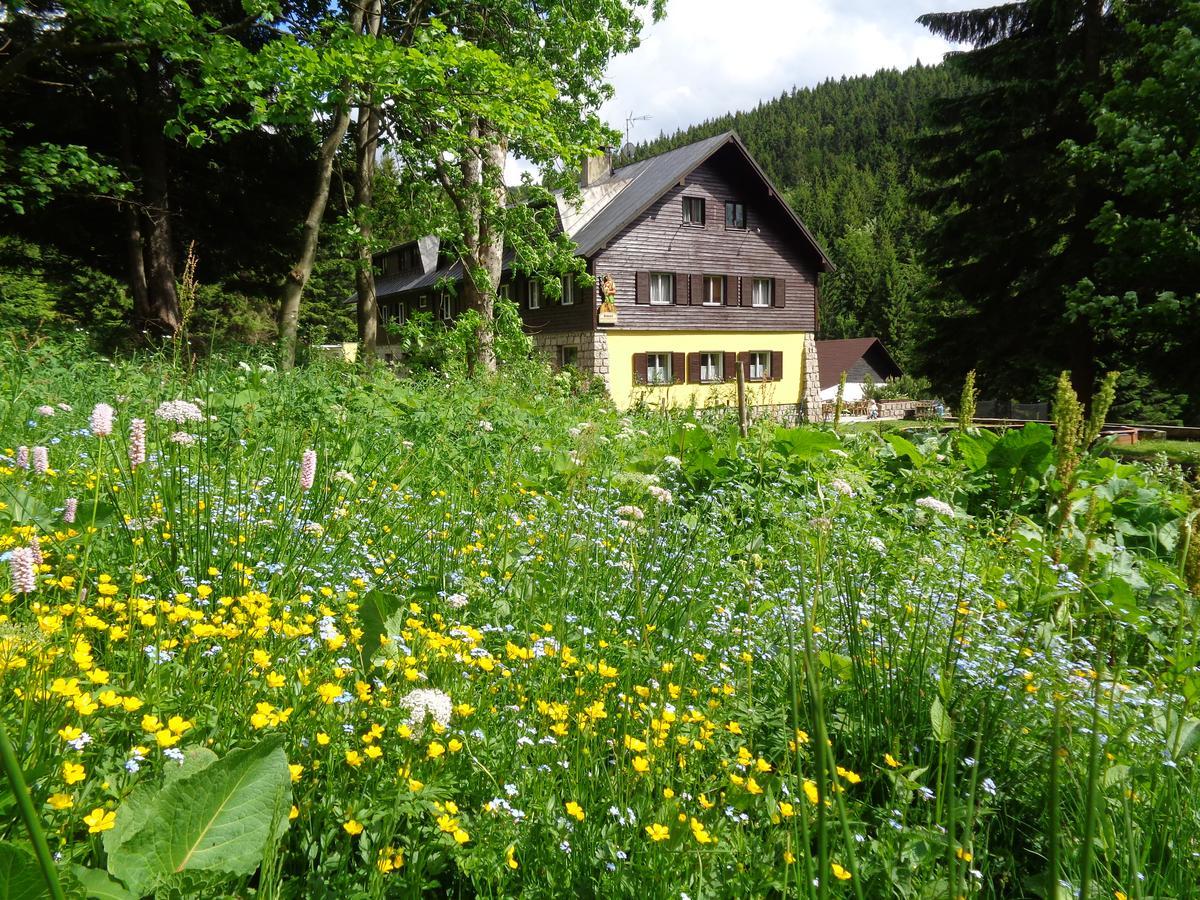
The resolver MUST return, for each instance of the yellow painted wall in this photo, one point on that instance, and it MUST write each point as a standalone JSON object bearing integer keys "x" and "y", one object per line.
{"x": 623, "y": 344}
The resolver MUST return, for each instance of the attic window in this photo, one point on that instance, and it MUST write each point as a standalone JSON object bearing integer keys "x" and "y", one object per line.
{"x": 693, "y": 210}
{"x": 735, "y": 214}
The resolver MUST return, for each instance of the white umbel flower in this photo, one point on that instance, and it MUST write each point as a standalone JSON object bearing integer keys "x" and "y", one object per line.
{"x": 427, "y": 703}
{"x": 937, "y": 506}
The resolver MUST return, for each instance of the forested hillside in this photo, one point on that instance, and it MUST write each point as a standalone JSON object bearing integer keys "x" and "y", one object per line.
{"x": 842, "y": 154}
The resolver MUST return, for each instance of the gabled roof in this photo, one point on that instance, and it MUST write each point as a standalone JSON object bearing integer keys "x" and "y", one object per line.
{"x": 836, "y": 357}
{"x": 644, "y": 183}
{"x": 610, "y": 204}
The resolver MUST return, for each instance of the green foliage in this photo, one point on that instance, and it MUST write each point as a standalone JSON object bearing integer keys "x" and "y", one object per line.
{"x": 1142, "y": 295}
{"x": 540, "y": 558}
{"x": 220, "y": 817}
{"x": 1067, "y": 412}
{"x": 1056, "y": 238}
{"x": 41, "y": 288}
{"x": 966, "y": 403}
{"x": 20, "y": 877}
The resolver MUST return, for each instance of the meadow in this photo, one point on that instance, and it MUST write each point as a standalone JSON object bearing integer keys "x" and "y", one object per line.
{"x": 331, "y": 634}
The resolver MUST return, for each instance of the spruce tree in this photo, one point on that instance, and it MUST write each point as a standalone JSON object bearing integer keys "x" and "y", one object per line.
{"x": 1012, "y": 212}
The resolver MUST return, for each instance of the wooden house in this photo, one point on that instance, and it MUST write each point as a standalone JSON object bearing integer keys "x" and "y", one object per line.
{"x": 699, "y": 267}
{"x": 861, "y": 359}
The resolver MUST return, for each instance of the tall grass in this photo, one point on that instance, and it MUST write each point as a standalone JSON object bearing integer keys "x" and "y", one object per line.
{"x": 680, "y": 662}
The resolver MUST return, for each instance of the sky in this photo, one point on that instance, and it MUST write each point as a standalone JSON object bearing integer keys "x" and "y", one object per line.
{"x": 709, "y": 57}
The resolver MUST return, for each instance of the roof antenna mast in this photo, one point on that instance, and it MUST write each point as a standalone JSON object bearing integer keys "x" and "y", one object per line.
{"x": 629, "y": 120}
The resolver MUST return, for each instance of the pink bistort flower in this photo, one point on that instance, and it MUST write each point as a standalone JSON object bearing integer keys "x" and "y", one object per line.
{"x": 102, "y": 420}
{"x": 308, "y": 469}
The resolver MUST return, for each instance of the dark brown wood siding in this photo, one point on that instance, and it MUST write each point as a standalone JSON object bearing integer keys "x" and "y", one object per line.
{"x": 768, "y": 247}
{"x": 553, "y": 316}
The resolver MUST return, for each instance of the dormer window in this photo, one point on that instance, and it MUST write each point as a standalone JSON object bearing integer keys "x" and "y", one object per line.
{"x": 693, "y": 210}
{"x": 390, "y": 265}
{"x": 735, "y": 214}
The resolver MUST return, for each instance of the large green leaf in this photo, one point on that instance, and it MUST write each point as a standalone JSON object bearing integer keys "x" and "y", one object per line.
{"x": 374, "y": 611}
{"x": 217, "y": 819}
{"x": 20, "y": 877}
{"x": 905, "y": 449}
{"x": 804, "y": 444}
{"x": 99, "y": 885}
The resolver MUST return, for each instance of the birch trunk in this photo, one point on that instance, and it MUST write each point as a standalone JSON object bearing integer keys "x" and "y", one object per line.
{"x": 484, "y": 178}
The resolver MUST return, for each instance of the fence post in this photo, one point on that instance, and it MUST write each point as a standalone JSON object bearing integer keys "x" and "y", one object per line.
{"x": 743, "y": 422}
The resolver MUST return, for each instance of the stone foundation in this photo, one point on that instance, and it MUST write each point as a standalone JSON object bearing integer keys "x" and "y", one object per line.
{"x": 592, "y": 347}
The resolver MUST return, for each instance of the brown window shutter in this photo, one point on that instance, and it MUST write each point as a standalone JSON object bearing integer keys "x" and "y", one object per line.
{"x": 697, "y": 290}
{"x": 729, "y": 290}
{"x": 639, "y": 368}
{"x": 642, "y": 293}
{"x": 681, "y": 289}
{"x": 693, "y": 367}
{"x": 729, "y": 366}
{"x": 776, "y": 365}
{"x": 678, "y": 362}
{"x": 745, "y": 286}
{"x": 780, "y": 292}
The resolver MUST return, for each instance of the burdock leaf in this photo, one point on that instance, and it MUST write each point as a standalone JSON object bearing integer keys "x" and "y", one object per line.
{"x": 218, "y": 819}
{"x": 373, "y": 612}
{"x": 20, "y": 877}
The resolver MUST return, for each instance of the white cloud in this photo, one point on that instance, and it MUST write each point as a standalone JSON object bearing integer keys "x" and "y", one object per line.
{"x": 709, "y": 57}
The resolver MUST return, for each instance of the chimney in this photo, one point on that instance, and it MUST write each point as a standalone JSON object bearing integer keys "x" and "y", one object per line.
{"x": 595, "y": 168}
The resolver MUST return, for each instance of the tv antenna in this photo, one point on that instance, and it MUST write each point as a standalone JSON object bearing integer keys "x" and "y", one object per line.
{"x": 629, "y": 120}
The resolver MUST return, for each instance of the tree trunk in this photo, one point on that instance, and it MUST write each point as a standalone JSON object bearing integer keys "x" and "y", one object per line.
{"x": 485, "y": 178}
{"x": 368, "y": 137}
{"x": 297, "y": 277}
{"x": 130, "y": 216}
{"x": 161, "y": 311}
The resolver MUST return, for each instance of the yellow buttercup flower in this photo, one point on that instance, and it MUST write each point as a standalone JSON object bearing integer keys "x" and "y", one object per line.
{"x": 658, "y": 832}
{"x": 73, "y": 773}
{"x": 838, "y": 872}
{"x": 99, "y": 820}
{"x": 60, "y": 801}
{"x": 575, "y": 811}
{"x": 353, "y": 827}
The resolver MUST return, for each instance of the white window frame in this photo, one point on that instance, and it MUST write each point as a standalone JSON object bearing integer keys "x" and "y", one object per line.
{"x": 689, "y": 207}
{"x": 657, "y": 282}
{"x": 715, "y": 368}
{"x": 709, "y": 282}
{"x": 569, "y": 289}
{"x": 506, "y": 291}
{"x": 445, "y": 310}
{"x": 423, "y": 301}
{"x": 761, "y": 371}
{"x": 767, "y": 294}
{"x": 563, "y": 350}
{"x": 665, "y": 368}
{"x": 535, "y": 294}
